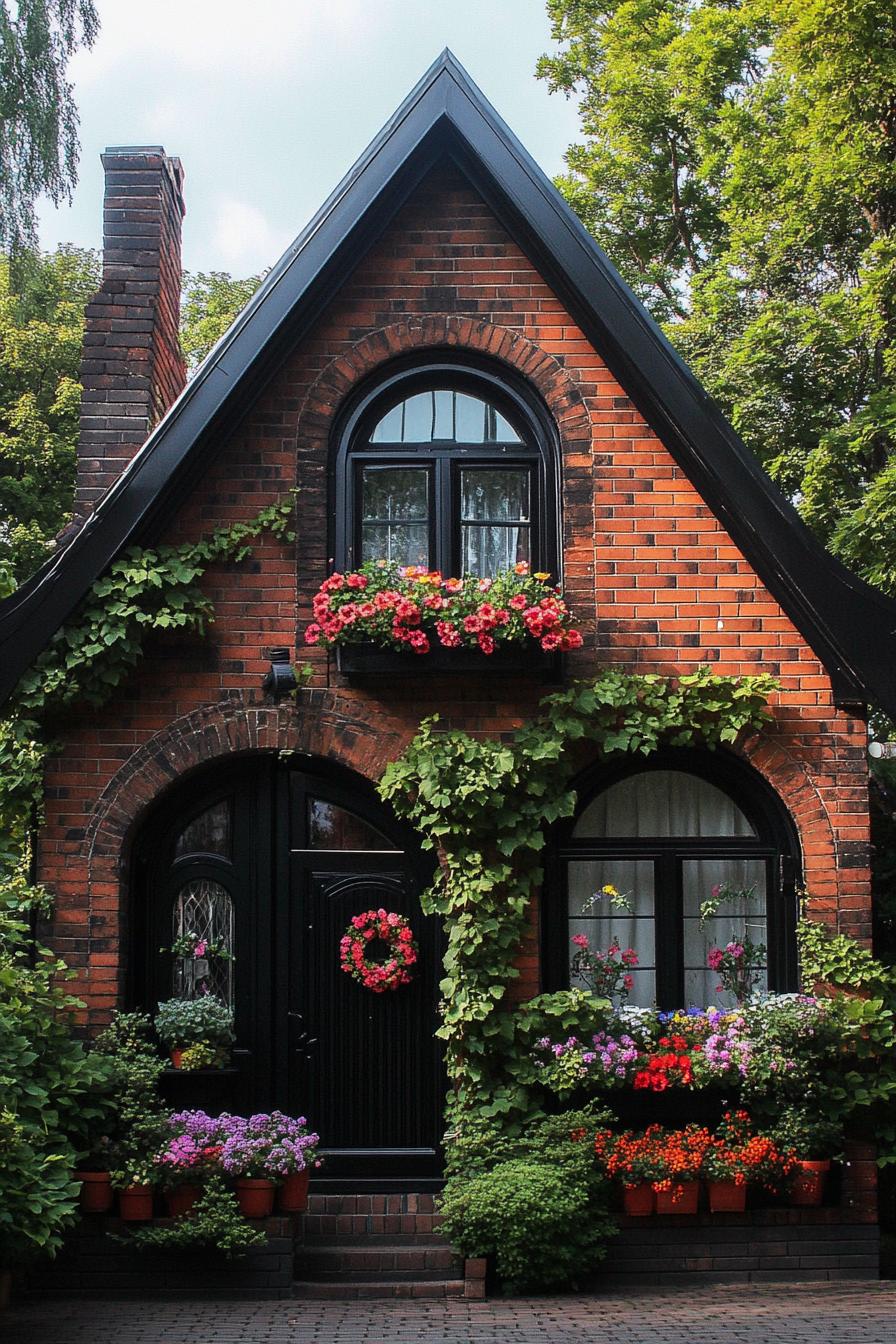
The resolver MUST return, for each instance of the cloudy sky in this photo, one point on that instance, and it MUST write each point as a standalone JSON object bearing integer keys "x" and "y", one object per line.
{"x": 268, "y": 102}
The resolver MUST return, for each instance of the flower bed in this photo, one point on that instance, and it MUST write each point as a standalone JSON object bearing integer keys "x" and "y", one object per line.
{"x": 414, "y": 610}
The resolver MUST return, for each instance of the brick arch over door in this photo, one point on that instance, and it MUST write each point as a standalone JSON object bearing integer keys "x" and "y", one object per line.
{"x": 320, "y": 724}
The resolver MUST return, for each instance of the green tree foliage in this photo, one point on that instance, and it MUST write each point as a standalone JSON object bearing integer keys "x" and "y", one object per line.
{"x": 38, "y": 120}
{"x": 41, "y": 330}
{"x": 210, "y": 301}
{"x": 738, "y": 164}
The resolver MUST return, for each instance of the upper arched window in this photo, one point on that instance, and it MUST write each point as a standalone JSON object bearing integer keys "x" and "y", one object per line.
{"x": 446, "y": 467}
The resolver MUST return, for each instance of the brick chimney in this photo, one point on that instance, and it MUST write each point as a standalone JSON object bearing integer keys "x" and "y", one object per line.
{"x": 131, "y": 369}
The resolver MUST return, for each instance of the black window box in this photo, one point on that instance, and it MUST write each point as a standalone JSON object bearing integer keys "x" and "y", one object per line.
{"x": 370, "y": 662}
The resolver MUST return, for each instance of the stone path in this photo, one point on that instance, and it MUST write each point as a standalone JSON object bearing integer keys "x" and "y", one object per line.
{"x": 801, "y": 1313}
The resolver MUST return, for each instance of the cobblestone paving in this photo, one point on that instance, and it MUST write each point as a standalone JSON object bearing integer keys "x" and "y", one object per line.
{"x": 816, "y": 1313}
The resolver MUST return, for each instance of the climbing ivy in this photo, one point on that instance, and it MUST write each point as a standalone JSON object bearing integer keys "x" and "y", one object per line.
{"x": 145, "y": 589}
{"x": 483, "y": 806}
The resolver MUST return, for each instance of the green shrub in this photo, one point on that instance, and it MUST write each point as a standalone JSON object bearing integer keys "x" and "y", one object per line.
{"x": 540, "y": 1227}
{"x": 135, "y": 1122}
{"x": 52, "y": 1092}
{"x": 214, "y": 1223}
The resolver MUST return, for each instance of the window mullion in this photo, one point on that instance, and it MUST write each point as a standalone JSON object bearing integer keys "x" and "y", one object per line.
{"x": 669, "y": 931}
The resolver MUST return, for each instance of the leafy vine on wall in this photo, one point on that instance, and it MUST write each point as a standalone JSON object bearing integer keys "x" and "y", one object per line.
{"x": 90, "y": 655}
{"x": 483, "y": 807}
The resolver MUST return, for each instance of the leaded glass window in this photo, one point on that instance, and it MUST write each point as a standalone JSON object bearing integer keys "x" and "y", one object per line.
{"x": 202, "y": 938}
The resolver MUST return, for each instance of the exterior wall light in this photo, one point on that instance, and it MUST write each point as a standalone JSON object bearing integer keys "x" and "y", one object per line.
{"x": 280, "y": 680}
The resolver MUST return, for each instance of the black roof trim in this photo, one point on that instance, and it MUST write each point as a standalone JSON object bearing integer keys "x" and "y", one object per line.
{"x": 850, "y": 626}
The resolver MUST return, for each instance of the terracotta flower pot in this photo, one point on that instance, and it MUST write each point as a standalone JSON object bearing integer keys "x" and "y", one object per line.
{"x": 638, "y": 1200}
{"x": 181, "y": 1199}
{"x": 682, "y": 1197}
{"x": 255, "y": 1197}
{"x": 96, "y": 1191}
{"x": 727, "y": 1197}
{"x": 135, "y": 1204}
{"x": 292, "y": 1197}
{"x": 808, "y": 1183}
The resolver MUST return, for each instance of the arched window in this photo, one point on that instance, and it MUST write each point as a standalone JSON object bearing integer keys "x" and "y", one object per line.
{"x": 448, "y": 467}
{"x": 670, "y": 836}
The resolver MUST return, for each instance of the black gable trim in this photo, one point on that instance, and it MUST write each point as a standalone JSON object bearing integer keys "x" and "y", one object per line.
{"x": 850, "y": 626}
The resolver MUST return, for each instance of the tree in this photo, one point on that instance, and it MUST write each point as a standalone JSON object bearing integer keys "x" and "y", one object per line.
{"x": 38, "y": 120}
{"x": 210, "y": 301}
{"x": 739, "y": 167}
{"x": 41, "y": 330}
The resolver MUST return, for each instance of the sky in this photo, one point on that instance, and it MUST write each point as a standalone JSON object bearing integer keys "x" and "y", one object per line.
{"x": 269, "y": 102}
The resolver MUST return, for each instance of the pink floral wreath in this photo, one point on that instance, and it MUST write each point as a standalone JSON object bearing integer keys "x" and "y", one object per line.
{"x": 394, "y": 930}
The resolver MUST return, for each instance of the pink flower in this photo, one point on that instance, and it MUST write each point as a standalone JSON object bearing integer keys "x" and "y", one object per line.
{"x": 486, "y": 643}
{"x": 550, "y": 641}
{"x": 312, "y": 634}
{"x": 518, "y": 602}
{"x": 448, "y": 634}
{"x": 356, "y": 581}
{"x": 572, "y": 640}
{"x": 580, "y": 940}
{"x": 201, "y": 948}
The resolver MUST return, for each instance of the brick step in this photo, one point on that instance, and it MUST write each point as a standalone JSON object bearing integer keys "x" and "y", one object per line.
{"x": 342, "y": 1291}
{"x": 388, "y": 1261}
{"x": 389, "y": 1226}
{"x": 378, "y": 1204}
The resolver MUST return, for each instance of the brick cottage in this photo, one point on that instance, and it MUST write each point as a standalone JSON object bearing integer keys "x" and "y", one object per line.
{"x": 449, "y": 372}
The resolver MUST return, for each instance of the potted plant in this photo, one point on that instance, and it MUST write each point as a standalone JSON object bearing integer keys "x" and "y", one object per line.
{"x": 292, "y": 1157}
{"x": 738, "y": 1158}
{"x": 195, "y": 960}
{"x": 633, "y": 1160}
{"x": 260, "y": 1153}
{"x": 135, "y": 1182}
{"x": 96, "y": 1195}
{"x": 812, "y": 1141}
{"x": 681, "y": 1154}
{"x": 197, "y": 1032}
{"x": 189, "y": 1158}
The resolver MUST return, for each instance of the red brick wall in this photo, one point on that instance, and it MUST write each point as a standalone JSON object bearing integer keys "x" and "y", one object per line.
{"x": 653, "y": 578}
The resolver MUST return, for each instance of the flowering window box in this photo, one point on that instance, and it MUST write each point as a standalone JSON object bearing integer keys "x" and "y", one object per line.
{"x": 386, "y": 619}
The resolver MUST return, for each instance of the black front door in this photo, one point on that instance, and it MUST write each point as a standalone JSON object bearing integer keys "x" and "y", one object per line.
{"x": 365, "y": 1065}
{"x": 283, "y": 858}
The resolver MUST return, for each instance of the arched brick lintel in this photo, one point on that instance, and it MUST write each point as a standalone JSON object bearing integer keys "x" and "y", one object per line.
{"x": 791, "y": 780}
{"x": 318, "y": 724}
{"x": 443, "y": 331}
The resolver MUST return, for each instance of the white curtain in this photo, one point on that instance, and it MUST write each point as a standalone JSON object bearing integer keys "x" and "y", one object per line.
{"x": 662, "y": 804}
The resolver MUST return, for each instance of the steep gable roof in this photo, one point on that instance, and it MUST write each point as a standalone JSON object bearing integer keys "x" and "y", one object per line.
{"x": 850, "y": 626}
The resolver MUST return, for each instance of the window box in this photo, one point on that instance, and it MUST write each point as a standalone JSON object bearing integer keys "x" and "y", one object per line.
{"x": 370, "y": 662}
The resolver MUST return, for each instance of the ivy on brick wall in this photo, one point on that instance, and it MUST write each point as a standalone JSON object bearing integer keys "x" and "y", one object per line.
{"x": 145, "y": 590}
{"x": 483, "y": 807}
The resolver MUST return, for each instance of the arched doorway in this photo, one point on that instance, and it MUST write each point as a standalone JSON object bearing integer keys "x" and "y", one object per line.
{"x": 269, "y": 859}
{"x": 666, "y": 833}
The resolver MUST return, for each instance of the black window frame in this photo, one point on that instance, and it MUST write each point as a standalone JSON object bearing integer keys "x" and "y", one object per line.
{"x": 537, "y": 451}
{"x": 775, "y": 842}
